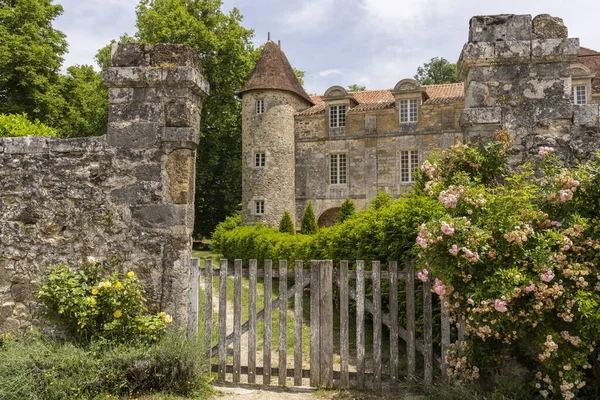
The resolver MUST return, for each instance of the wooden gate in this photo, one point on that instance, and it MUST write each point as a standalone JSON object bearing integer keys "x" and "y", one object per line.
{"x": 322, "y": 284}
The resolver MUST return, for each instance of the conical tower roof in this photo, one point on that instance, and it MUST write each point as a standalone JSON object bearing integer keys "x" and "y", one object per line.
{"x": 273, "y": 71}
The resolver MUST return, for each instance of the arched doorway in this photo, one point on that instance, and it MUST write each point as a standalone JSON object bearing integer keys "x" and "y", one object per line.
{"x": 328, "y": 217}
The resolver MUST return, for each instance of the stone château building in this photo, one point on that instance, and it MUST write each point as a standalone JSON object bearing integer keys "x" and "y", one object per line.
{"x": 518, "y": 73}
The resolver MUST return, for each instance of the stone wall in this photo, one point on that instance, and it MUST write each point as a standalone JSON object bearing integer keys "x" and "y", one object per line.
{"x": 517, "y": 77}
{"x": 124, "y": 198}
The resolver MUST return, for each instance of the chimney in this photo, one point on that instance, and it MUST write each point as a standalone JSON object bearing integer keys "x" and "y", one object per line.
{"x": 268, "y": 36}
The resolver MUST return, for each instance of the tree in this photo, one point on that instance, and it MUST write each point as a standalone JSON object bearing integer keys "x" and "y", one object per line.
{"x": 31, "y": 53}
{"x": 15, "y": 125}
{"x": 85, "y": 105}
{"x": 309, "y": 221}
{"x": 300, "y": 75}
{"x": 356, "y": 88}
{"x": 286, "y": 225}
{"x": 437, "y": 70}
{"x": 228, "y": 58}
{"x": 347, "y": 210}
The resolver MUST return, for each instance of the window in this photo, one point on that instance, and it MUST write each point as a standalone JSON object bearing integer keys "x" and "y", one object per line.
{"x": 259, "y": 159}
{"x": 409, "y": 161}
{"x": 337, "y": 116}
{"x": 338, "y": 169}
{"x": 578, "y": 95}
{"x": 260, "y": 106}
{"x": 408, "y": 111}
{"x": 259, "y": 207}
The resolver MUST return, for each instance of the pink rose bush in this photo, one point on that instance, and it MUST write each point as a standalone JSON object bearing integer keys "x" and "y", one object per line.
{"x": 517, "y": 258}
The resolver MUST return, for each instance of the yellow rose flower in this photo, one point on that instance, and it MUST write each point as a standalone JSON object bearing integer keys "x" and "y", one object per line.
{"x": 117, "y": 285}
{"x": 131, "y": 274}
{"x": 168, "y": 319}
{"x": 117, "y": 314}
{"x": 95, "y": 291}
{"x": 92, "y": 300}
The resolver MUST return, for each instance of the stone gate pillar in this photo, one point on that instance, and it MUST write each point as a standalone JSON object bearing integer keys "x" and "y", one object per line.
{"x": 155, "y": 96}
{"x": 517, "y": 77}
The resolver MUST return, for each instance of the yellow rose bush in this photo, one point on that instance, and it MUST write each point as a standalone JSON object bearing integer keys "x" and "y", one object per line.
{"x": 91, "y": 303}
{"x": 516, "y": 256}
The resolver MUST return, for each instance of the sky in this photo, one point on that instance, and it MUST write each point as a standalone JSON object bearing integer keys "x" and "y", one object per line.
{"x": 374, "y": 43}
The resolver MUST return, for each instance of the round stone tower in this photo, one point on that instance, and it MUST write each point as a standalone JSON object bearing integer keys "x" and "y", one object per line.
{"x": 270, "y": 99}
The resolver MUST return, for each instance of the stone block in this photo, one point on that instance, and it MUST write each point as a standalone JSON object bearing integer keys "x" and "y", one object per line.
{"x": 145, "y": 112}
{"x": 181, "y": 113}
{"x": 477, "y": 95}
{"x": 148, "y": 172}
{"x": 158, "y": 216}
{"x": 479, "y": 116}
{"x": 166, "y": 54}
{"x": 137, "y": 193}
{"x": 555, "y": 49}
{"x": 513, "y": 49}
{"x": 494, "y": 28}
{"x": 181, "y": 167}
{"x": 546, "y": 26}
{"x": 129, "y": 55}
{"x": 133, "y": 134}
{"x": 26, "y": 145}
{"x": 586, "y": 115}
{"x": 78, "y": 145}
{"x": 181, "y": 135}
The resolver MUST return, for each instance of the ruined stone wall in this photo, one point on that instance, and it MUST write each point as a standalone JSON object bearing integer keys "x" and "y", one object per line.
{"x": 124, "y": 198}
{"x": 517, "y": 77}
{"x": 272, "y": 133}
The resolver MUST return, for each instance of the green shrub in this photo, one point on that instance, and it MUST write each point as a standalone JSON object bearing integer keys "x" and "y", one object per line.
{"x": 16, "y": 125}
{"x": 516, "y": 254}
{"x": 286, "y": 225}
{"x": 347, "y": 210}
{"x": 309, "y": 221}
{"x": 231, "y": 222}
{"x": 90, "y": 304}
{"x": 39, "y": 368}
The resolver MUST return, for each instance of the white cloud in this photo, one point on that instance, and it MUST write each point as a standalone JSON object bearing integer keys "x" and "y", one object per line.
{"x": 331, "y": 71}
{"x": 311, "y": 18}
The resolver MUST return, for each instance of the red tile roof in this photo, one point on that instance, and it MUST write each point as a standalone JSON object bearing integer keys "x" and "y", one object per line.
{"x": 591, "y": 59}
{"x": 381, "y": 99}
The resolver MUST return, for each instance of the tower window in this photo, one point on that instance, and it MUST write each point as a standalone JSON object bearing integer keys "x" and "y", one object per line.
{"x": 260, "y": 159}
{"x": 260, "y": 106}
{"x": 578, "y": 95}
{"x": 338, "y": 169}
{"x": 259, "y": 207}
{"x": 408, "y": 111}
{"x": 337, "y": 116}
{"x": 409, "y": 161}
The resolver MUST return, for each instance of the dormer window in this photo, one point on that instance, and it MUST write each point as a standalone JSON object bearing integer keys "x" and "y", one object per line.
{"x": 578, "y": 95}
{"x": 260, "y": 106}
{"x": 337, "y": 116}
{"x": 408, "y": 110}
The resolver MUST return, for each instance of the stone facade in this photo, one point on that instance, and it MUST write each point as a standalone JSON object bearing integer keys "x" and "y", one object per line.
{"x": 516, "y": 73}
{"x": 125, "y": 198}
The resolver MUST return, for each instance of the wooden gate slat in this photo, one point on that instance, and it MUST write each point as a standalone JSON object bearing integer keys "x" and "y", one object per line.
{"x": 445, "y": 336}
{"x": 252, "y": 322}
{"x": 360, "y": 323}
{"x": 410, "y": 320}
{"x": 268, "y": 282}
{"x": 326, "y": 322}
{"x": 282, "y": 322}
{"x": 427, "y": 333}
{"x": 298, "y": 292}
{"x": 222, "y": 319}
{"x": 237, "y": 320}
{"x": 377, "y": 342}
{"x": 344, "y": 325}
{"x": 315, "y": 372}
{"x": 208, "y": 307}
{"x": 393, "y": 267}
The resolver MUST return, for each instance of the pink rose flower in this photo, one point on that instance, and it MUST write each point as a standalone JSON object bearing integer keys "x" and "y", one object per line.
{"x": 556, "y": 223}
{"x": 421, "y": 242}
{"x": 500, "y": 306}
{"x": 544, "y": 151}
{"x": 447, "y": 229}
{"x": 470, "y": 301}
{"x": 547, "y": 276}
{"x": 530, "y": 288}
{"x": 423, "y": 275}
{"x": 565, "y": 195}
{"x": 453, "y": 250}
{"x": 439, "y": 287}
{"x": 574, "y": 183}
{"x": 469, "y": 212}
{"x": 566, "y": 247}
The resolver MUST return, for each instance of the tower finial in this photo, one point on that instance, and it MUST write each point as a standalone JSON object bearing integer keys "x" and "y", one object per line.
{"x": 279, "y": 43}
{"x": 268, "y": 36}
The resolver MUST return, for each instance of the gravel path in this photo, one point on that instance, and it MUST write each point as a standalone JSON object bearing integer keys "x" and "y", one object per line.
{"x": 258, "y": 393}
